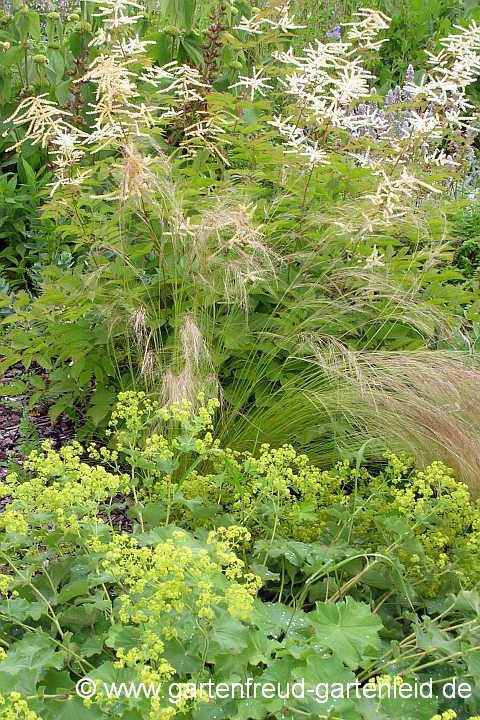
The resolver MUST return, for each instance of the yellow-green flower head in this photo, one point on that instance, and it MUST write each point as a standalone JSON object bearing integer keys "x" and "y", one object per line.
{"x": 14, "y": 707}
{"x": 161, "y": 582}
{"x": 446, "y": 715}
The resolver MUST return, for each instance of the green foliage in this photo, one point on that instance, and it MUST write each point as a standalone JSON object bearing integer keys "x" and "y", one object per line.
{"x": 28, "y": 245}
{"x": 466, "y": 230}
{"x": 174, "y": 608}
{"x": 14, "y": 207}
{"x": 320, "y": 18}
{"x": 416, "y": 26}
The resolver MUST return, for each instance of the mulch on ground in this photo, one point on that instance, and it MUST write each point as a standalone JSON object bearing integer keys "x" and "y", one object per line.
{"x": 16, "y": 441}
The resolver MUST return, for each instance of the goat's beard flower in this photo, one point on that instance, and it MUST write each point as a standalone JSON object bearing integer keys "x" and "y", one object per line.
{"x": 44, "y": 119}
{"x": 332, "y": 90}
{"x": 390, "y": 191}
{"x": 374, "y": 259}
{"x": 251, "y": 25}
{"x": 117, "y": 115}
{"x": 298, "y": 142}
{"x": 255, "y": 83}
{"x": 68, "y": 153}
{"x": 112, "y": 79}
{"x": 365, "y": 31}
{"x": 285, "y": 23}
{"x": 328, "y": 81}
{"x": 101, "y": 38}
{"x": 115, "y": 13}
{"x": 185, "y": 83}
{"x": 134, "y": 46}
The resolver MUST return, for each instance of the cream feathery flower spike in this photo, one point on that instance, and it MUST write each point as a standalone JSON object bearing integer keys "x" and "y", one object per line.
{"x": 186, "y": 81}
{"x": 101, "y": 38}
{"x": 154, "y": 75}
{"x": 115, "y": 13}
{"x": 112, "y": 79}
{"x": 256, "y": 84}
{"x": 67, "y": 154}
{"x": 366, "y": 30}
{"x": 351, "y": 84}
{"x": 285, "y": 23}
{"x": 375, "y": 259}
{"x": 136, "y": 178}
{"x": 134, "y": 46}
{"x": 251, "y": 25}
{"x": 45, "y": 119}
{"x": 390, "y": 191}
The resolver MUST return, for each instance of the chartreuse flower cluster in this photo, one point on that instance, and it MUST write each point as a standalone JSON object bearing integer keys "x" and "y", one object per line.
{"x": 172, "y": 585}
{"x": 443, "y": 520}
{"x": 278, "y": 483}
{"x": 451, "y": 715}
{"x": 159, "y": 444}
{"x": 179, "y": 575}
{"x": 14, "y": 707}
{"x": 154, "y": 455}
{"x": 281, "y": 494}
{"x": 163, "y": 587}
{"x": 386, "y": 681}
{"x": 175, "y": 465}
{"x": 61, "y": 490}
{"x": 135, "y": 412}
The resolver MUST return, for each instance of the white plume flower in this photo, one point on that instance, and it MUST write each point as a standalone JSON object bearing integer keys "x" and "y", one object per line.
{"x": 44, "y": 119}
{"x": 251, "y": 25}
{"x": 115, "y": 13}
{"x": 255, "y": 83}
{"x": 285, "y": 22}
{"x": 365, "y": 30}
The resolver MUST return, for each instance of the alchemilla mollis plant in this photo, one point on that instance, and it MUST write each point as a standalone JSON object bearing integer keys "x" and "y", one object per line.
{"x": 183, "y": 600}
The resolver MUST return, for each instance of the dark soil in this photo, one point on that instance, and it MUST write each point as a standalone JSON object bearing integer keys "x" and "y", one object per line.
{"x": 20, "y": 432}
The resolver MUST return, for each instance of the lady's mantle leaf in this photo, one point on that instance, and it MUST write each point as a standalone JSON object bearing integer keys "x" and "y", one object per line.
{"x": 27, "y": 662}
{"x": 348, "y": 629}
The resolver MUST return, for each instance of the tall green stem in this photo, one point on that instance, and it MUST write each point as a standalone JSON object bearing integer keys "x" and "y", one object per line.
{"x": 26, "y": 66}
